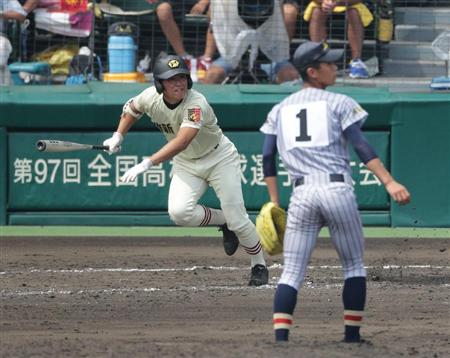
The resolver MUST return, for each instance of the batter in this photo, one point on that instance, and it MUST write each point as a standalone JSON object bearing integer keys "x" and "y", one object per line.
{"x": 311, "y": 129}
{"x": 202, "y": 155}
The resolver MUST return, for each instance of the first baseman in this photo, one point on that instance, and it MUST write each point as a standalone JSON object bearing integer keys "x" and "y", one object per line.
{"x": 202, "y": 155}
{"x": 311, "y": 129}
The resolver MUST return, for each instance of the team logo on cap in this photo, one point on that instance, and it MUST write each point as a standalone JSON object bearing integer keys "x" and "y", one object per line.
{"x": 173, "y": 63}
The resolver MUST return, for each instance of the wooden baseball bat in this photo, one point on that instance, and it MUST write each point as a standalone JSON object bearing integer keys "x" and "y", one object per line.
{"x": 58, "y": 146}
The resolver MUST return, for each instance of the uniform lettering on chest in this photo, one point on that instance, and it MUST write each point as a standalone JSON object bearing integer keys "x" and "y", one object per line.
{"x": 165, "y": 128}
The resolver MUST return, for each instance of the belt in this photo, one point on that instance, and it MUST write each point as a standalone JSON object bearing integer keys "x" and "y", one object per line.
{"x": 333, "y": 178}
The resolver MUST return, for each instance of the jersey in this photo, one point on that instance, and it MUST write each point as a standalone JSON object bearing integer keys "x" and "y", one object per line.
{"x": 309, "y": 126}
{"x": 194, "y": 111}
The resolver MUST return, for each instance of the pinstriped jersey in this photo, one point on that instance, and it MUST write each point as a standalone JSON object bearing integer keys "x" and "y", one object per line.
{"x": 194, "y": 111}
{"x": 309, "y": 126}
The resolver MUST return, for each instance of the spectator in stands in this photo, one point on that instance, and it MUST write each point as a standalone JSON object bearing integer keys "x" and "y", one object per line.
{"x": 290, "y": 13}
{"x": 358, "y": 15}
{"x": 166, "y": 17}
{"x": 9, "y": 10}
{"x": 271, "y": 33}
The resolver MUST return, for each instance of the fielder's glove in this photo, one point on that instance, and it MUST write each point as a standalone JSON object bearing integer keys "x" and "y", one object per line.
{"x": 132, "y": 173}
{"x": 270, "y": 226}
{"x": 114, "y": 143}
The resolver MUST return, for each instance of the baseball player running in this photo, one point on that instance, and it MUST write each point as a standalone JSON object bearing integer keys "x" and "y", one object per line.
{"x": 202, "y": 155}
{"x": 311, "y": 129}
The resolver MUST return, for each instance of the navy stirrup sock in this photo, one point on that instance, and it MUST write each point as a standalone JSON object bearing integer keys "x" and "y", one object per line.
{"x": 354, "y": 297}
{"x": 283, "y": 308}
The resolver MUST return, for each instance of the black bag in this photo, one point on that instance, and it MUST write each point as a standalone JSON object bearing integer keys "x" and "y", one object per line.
{"x": 255, "y": 12}
{"x": 123, "y": 28}
{"x": 80, "y": 70}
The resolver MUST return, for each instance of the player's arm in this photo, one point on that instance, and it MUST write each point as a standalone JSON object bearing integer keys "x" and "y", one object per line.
{"x": 269, "y": 167}
{"x": 184, "y": 137}
{"x": 130, "y": 115}
{"x": 367, "y": 155}
{"x": 396, "y": 190}
{"x": 169, "y": 150}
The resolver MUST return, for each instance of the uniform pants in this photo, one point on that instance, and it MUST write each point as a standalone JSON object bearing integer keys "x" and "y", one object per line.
{"x": 311, "y": 207}
{"x": 219, "y": 169}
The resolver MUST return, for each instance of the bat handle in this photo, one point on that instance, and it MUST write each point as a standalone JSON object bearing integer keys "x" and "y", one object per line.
{"x": 100, "y": 147}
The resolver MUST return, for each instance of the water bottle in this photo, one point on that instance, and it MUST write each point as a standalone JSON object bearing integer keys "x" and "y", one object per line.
{"x": 193, "y": 62}
{"x": 144, "y": 64}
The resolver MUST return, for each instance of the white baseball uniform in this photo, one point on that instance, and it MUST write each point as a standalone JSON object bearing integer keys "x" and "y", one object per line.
{"x": 309, "y": 126}
{"x": 210, "y": 159}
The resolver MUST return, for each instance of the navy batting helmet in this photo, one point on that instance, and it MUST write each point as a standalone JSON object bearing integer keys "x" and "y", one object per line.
{"x": 167, "y": 66}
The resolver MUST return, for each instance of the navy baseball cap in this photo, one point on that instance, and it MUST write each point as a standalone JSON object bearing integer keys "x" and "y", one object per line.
{"x": 310, "y": 52}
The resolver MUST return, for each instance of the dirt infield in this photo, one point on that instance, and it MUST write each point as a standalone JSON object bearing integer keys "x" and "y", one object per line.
{"x": 182, "y": 297}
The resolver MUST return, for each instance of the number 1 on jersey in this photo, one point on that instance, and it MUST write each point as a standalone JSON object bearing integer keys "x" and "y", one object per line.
{"x": 304, "y": 125}
{"x": 303, "y": 137}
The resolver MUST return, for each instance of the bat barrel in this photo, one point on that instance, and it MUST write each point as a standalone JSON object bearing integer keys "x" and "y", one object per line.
{"x": 59, "y": 146}
{"x": 41, "y": 145}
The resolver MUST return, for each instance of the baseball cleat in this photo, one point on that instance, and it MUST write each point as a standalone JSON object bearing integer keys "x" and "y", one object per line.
{"x": 357, "y": 340}
{"x": 260, "y": 276}
{"x": 230, "y": 240}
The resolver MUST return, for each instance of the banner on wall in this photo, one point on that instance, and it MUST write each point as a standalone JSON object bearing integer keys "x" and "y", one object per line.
{"x": 89, "y": 180}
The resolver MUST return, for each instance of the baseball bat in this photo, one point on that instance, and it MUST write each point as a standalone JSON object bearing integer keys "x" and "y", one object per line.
{"x": 59, "y": 146}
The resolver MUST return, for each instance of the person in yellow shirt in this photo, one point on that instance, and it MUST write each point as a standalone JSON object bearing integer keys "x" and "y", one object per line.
{"x": 358, "y": 17}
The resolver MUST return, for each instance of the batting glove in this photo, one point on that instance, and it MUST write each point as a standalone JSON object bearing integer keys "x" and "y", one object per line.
{"x": 132, "y": 173}
{"x": 114, "y": 143}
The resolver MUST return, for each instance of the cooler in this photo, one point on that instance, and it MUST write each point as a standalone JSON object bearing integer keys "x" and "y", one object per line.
{"x": 121, "y": 54}
{"x": 23, "y": 73}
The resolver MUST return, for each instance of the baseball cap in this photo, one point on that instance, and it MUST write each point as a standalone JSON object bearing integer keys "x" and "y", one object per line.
{"x": 310, "y": 52}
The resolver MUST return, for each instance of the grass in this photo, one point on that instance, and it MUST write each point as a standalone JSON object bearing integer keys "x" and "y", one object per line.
{"x": 172, "y": 231}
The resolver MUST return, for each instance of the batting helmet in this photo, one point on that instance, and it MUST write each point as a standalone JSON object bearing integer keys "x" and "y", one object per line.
{"x": 271, "y": 225}
{"x": 168, "y": 66}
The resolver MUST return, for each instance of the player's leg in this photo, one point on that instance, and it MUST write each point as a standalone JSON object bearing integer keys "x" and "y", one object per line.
{"x": 341, "y": 211}
{"x": 184, "y": 193}
{"x": 225, "y": 179}
{"x": 303, "y": 226}
{"x": 226, "y": 183}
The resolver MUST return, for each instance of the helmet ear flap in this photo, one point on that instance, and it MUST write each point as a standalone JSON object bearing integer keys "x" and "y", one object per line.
{"x": 189, "y": 79}
{"x": 159, "y": 87}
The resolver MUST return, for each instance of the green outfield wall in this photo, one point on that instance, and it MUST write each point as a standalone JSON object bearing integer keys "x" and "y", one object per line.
{"x": 410, "y": 132}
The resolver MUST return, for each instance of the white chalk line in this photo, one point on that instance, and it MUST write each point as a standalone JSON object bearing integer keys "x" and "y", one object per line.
{"x": 122, "y": 291}
{"x": 216, "y": 268}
